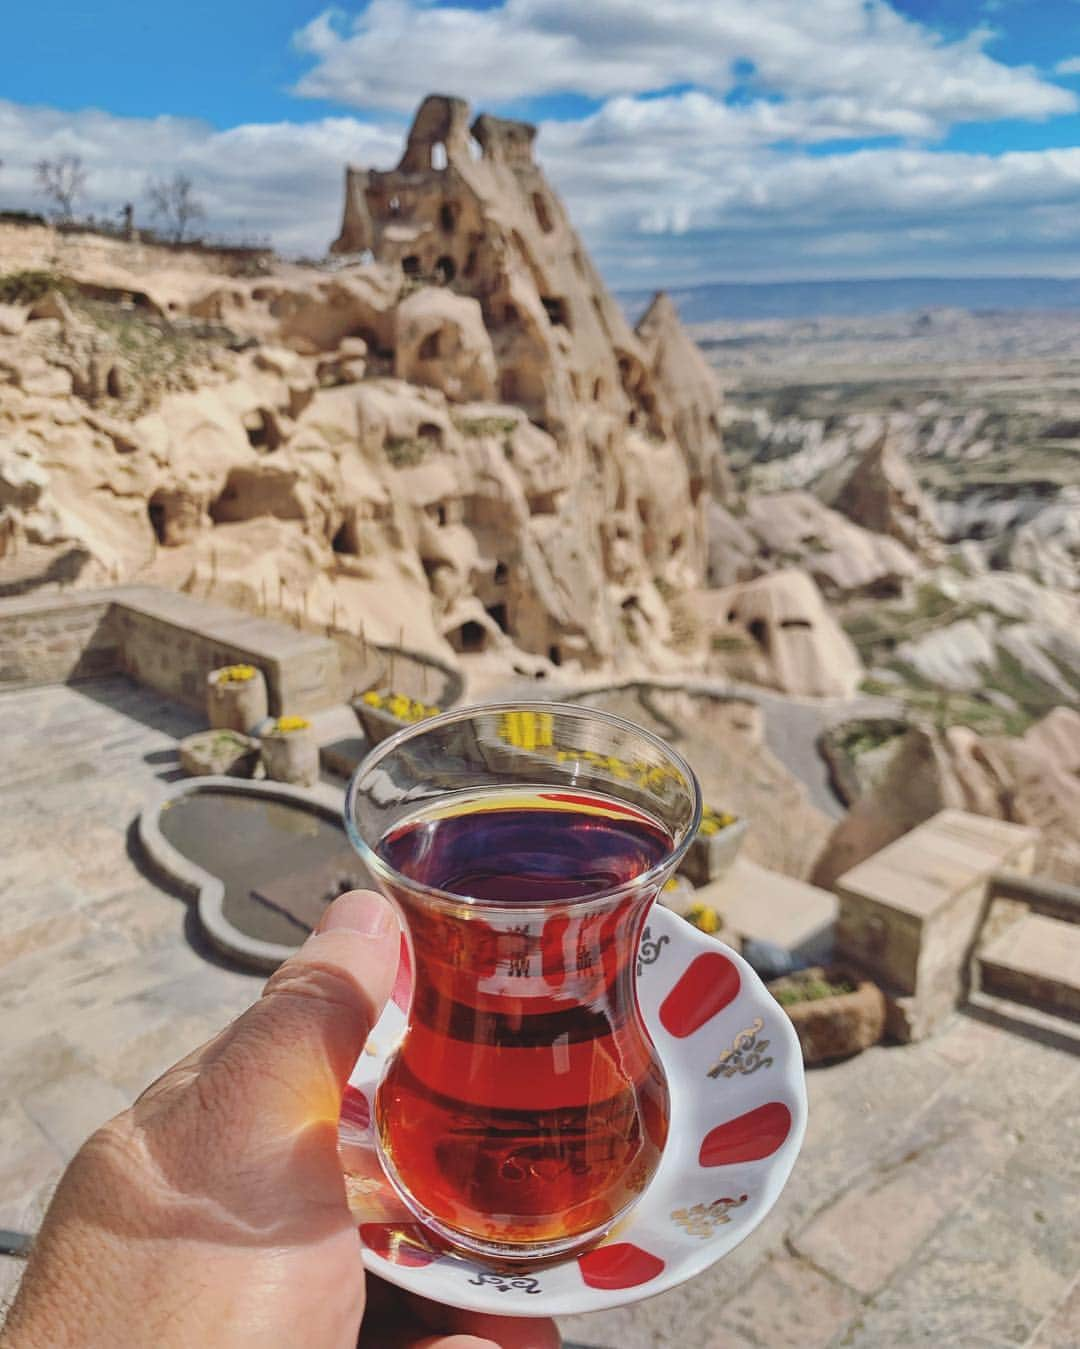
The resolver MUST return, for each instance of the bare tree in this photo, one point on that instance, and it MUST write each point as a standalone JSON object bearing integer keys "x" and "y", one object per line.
{"x": 173, "y": 200}
{"x": 62, "y": 180}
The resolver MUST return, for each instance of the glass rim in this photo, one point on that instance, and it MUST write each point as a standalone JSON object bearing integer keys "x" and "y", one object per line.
{"x": 391, "y": 876}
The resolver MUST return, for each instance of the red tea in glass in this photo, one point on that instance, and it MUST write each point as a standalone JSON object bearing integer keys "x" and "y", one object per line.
{"x": 525, "y": 1109}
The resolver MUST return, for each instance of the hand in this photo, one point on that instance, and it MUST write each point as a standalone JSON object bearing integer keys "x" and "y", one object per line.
{"x": 213, "y": 1211}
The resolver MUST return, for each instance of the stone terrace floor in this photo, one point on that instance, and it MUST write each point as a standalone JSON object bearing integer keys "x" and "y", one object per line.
{"x": 934, "y": 1202}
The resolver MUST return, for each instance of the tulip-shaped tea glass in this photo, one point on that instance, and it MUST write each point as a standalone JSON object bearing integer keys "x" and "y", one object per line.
{"x": 525, "y": 1109}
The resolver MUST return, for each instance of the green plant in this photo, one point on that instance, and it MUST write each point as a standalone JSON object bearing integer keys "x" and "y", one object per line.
{"x": 863, "y": 739}
{"x": 731, "y": 645}
{"x": 28, "y": 286}
{"x": 811, "y": 990}
{"x": 406, "y": 451}
{"x": 486, "y": 426}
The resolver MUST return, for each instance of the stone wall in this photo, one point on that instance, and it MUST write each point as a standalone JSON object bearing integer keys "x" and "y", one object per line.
{"x": 167, "y": 640}
{"x": 54, "y": 640}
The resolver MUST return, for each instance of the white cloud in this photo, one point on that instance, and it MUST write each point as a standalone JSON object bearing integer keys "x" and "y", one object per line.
{"x": 1070, "y": 66}
{"x": 672, "y": 186}
{"x": 282, "y": 180}
{"x": 862, "y": 56}
{"x": 684, "y": 188}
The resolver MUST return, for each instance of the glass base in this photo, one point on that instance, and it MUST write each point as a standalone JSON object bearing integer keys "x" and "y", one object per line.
{"x": 517, "y": 1254}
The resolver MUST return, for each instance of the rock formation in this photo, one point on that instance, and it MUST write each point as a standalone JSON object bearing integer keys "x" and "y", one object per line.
{"x": 881, "y": 494}
{"x": 1033, "y": 779}
{"x": 457, "y": 439}
{"x": 778, "y": 631}
{"x": 679, "y": 368}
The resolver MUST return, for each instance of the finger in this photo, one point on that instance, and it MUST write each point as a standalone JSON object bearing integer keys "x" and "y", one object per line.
{"x": 290, "y": 1054}
{"x": 454, "y": 1342}
{"x": 323, "y": 1001}
{"x": 509, "y": 1332}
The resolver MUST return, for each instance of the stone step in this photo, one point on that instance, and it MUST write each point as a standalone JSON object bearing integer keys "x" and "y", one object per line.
{"x": 1021, "y": 1018}
{"x": 1036, "y": 961}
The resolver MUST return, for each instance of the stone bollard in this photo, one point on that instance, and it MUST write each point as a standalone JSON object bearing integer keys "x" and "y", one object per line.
{"x": 236, "y": 698}
{"x": 290, "y": 753}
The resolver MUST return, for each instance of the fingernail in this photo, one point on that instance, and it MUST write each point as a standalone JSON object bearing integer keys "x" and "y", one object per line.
{"x": 363, "y": 911}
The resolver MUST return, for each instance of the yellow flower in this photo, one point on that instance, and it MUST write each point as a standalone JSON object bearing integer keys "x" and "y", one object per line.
{"x": 704, "y": 918}
{"x": 527, "y": 730}
{"x": 713, "y": 821}
{"x": 284, "y": 725}
{"x": 372, "y": 698}
{"x": 237, "y": 674}
{"x": 398, "y": 706}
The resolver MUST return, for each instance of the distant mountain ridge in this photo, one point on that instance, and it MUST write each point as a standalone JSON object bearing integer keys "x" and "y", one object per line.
{"x": 850, "y": 299}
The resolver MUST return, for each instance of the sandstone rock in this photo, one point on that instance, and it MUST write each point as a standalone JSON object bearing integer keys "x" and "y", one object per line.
{"x": 733, "y": 551}
{"x": 724, "y": 740}
{"x": 51, "y": 306}
{"x": 1032, "y": 780}
{"x": 358, "y": 303}
{"x": 882, "y": 495}
{"x": 844, "y": 559}
{"x": 918, "y": 783}
{"x": 691, "y": 395}
{"x": 537, "y": 485}
{"x": 23, "y": 478}
{"x": 441, "y": 341}
{"x": 1047, "y": 547}
{"x": 12, "y": 320}
{"x": 788, "y": 629}
{"x": 492, "y": 228}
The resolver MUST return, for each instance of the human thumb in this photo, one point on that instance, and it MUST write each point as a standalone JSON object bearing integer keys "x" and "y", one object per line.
{"x": 294, "y": 1049}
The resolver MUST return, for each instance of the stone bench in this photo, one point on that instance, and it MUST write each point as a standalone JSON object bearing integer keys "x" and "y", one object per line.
{"x": 165, "y": 639}
{"x": 910, "y": 914}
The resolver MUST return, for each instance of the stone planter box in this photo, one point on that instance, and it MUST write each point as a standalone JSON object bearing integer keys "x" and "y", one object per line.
{"x": 220, "y": 753}
{"x": 291, "y": 756}
{"x": 236, "y": 704}
{"x": 380, "y": 722}
{"x": 710, "y": 855}
{"x": 838, "y": 1025}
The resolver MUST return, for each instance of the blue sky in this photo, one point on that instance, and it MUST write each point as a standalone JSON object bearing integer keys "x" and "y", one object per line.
{"x": 693, "y": 139}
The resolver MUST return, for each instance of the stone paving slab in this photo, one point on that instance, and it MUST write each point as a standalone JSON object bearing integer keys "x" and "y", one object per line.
{"x": 1061, "y": 1329}
{"x": 100, "y": 988}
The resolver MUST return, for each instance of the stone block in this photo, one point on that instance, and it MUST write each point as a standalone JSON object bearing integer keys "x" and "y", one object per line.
{"x": 909, "y": 915}
{"x": 788, "y": 1302}
{"x": 712, "y": 855}
{"x": 1061, "y": 1329}
{"x": 172, "y": 641}
{"x": 780, "y": 922}
{"x": 1037, "y": 961}
{"x": 343, "y": 757}
{"x": 872, "y": 1230}
{"x": 219, "y": 753}
{"x": 28, "y": 1158}
{"x": 70, "y": 1108}
{"x": 833, "y": 1027}
{"x": 1003, "y": 1261}
{"x": 53, "y": 639}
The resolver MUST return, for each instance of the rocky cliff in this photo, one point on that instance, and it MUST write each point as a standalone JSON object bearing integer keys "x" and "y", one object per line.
{"x": 450, "y": 434}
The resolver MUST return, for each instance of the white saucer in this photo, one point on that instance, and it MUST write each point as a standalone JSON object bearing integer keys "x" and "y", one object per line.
{"x": 738, "y": 1115}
